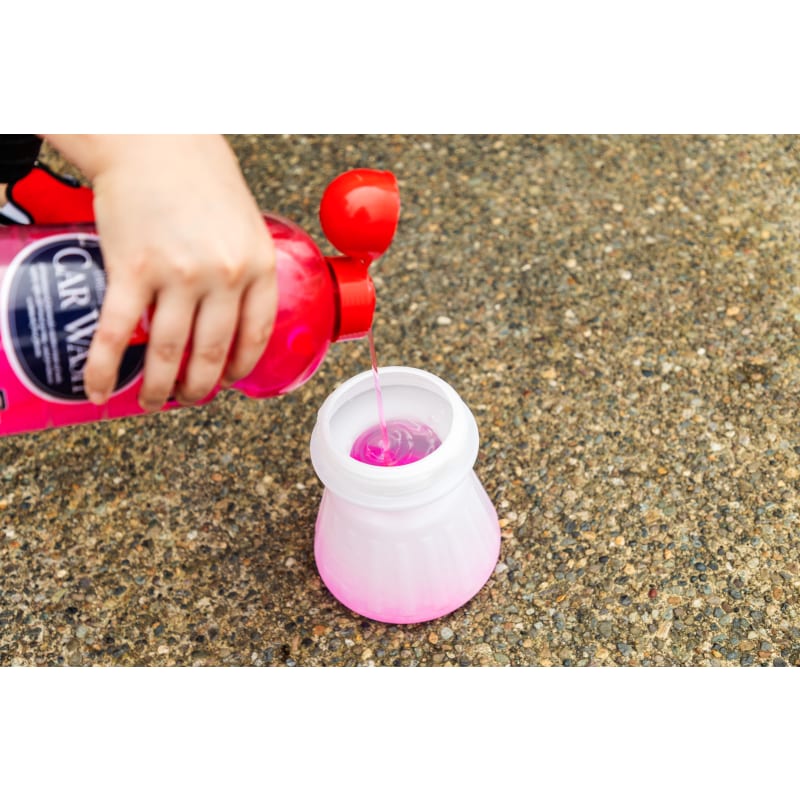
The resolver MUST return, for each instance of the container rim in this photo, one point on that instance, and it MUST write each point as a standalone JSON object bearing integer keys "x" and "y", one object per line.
{"x": 398, "y": 486}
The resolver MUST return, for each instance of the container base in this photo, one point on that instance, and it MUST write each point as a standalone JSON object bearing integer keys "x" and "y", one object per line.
{"x": 403, "y": 616}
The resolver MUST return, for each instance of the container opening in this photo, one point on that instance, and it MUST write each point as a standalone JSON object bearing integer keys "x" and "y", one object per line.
{"x": 359, "y": 412}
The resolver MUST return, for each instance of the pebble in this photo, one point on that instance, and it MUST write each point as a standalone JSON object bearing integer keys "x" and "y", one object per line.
{"x": 605, "y": 628}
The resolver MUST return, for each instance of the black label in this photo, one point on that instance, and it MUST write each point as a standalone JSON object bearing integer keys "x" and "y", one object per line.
{"x": 53, "y": 299}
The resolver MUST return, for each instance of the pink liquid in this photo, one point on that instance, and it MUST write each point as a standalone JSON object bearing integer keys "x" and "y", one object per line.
{"x": 378, "y": 394}
{"x": 405, "y": 442}
{"x": 398, "y": 442}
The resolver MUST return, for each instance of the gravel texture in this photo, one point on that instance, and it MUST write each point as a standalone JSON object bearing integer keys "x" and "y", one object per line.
{"x": 620, "y": 314}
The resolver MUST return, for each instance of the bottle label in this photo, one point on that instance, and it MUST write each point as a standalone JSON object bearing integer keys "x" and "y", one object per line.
{"x": 50, "y": 302}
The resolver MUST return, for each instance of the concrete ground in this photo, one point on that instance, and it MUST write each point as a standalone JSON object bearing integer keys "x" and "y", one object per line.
{"x": 620, "y": 314}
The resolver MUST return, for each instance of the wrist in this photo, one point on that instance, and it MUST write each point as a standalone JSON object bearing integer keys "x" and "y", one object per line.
{"x": 90, "y": 153}
{"x": 95, "y": 154}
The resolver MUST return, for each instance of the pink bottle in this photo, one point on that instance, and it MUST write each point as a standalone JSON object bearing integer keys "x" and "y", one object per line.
{"x": 52, "y": 285}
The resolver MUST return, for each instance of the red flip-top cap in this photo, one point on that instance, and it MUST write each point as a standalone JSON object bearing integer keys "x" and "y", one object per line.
{"x": 359, "y": 214}
{"x": 355, "y": 296}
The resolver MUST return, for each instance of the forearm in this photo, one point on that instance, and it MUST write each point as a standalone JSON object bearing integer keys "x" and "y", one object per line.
{"x": 94, "y": 154}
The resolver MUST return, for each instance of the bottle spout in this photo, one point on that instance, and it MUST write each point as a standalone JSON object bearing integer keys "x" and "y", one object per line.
{"x": 355, "y": 297}
{"x": 359, "y": 213}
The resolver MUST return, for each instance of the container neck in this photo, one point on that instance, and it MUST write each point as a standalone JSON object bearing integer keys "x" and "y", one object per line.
{"x": 407, "y": 392}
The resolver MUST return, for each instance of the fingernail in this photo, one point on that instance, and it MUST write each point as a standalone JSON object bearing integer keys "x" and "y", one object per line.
{"x": 148, "y": 405}
{"x": 98, "y": 398}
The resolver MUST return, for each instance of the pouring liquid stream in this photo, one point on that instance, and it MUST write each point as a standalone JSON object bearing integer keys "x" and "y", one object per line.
{"x": 378, "y": 394}
{"x": 396, "y": 442}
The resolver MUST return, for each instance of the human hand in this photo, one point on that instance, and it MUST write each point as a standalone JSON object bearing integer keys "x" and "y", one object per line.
{"x": 181, "y": 232}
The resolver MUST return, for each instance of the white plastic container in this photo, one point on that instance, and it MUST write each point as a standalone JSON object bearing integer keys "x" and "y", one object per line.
{"x": 408, "y": 543}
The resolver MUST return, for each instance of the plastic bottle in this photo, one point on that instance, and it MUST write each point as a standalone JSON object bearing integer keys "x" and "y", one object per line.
{"x": 410, "y": 543}
{"x": 52, "y": 285}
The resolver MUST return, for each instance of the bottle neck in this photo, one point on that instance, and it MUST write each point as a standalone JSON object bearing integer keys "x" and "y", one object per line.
{"x": 355, "y": 297}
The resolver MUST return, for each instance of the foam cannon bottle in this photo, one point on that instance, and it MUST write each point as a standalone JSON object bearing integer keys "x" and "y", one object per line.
{"x": 52, "y": 285}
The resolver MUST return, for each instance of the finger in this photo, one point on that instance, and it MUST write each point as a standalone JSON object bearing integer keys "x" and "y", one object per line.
{"x": 256, "y": 320}
{"x": 123, "y": 306}
{"x": 214, "y": 329}
{"x": 169, "y": 333}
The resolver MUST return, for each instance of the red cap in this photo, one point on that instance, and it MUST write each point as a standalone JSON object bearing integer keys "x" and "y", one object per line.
{"x": 359, "y": 214}
{"x": 356, "y": 297}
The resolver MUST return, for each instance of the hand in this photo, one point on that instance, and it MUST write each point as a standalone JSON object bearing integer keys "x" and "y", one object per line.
{"x": 180, "y": 231}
